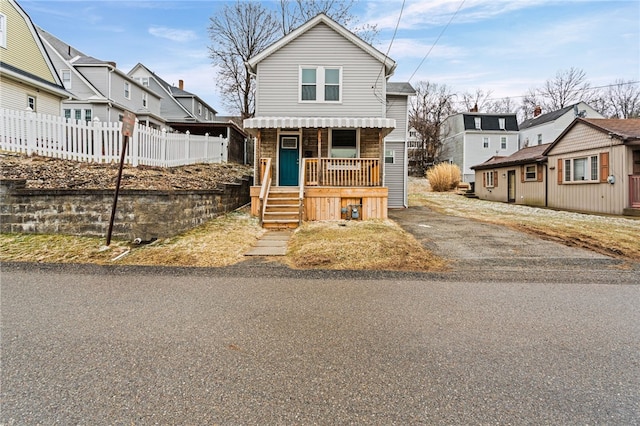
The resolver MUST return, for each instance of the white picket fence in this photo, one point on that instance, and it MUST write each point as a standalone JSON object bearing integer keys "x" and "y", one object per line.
{"x": 95, "y": 141}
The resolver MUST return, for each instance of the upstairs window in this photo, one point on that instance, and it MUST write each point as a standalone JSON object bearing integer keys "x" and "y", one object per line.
{"x": 145, "y": 100}
{"x": 539, "y": 138}
{"x": 485, "y": 142}
{"x": 501, "y": 123}
{"x": 66, "y": 78}
{"x": 503, "y": 142}
{"x": 320, "y": 84}
{"x": 127, "y": 90}
{"x": 478, "y": 122}
{"x": 31, "y": 103}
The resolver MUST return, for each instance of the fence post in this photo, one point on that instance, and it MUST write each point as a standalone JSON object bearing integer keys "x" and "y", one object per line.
{"x": 224, "y": 152}
{"x": 206, "y": 147}
{"x": 96, "y": 138}
{"x": 188, "y": 137}
{"x": 30, "y": 121}
{"x": 134, "y": 144}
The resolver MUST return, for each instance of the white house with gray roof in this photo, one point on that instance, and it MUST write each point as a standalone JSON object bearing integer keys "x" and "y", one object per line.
{"x": 545, "y": 128}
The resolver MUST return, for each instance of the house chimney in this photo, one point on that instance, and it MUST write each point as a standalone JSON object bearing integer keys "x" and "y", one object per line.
{"x": 475, "y": 108}
{"x": 537, "y": 111}
{"x": 181, "y": 84}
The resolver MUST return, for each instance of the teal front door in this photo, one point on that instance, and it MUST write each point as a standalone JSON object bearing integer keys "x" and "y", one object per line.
{"x": 289, "y": 152}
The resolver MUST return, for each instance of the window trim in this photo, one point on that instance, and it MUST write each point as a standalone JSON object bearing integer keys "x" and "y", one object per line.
{"x": 127, "y": 90}
{"x": 503, "y": 142}
{"x": 533, "y": 178}
{"x": 392, "y": 156}
{"x": 591, "y": 169}
{"x": 486, "y": 142}
{"x": 489, "y": 178}
{"x": 66, "y": 83}
{"x": 330, "y": 137}
{"x": 32, "y": 102}
{"x": 477, "y": 121}
{"x": 502, "y": 123}
{"x": 3, "y": 30}
{"x": 320, "y": 84}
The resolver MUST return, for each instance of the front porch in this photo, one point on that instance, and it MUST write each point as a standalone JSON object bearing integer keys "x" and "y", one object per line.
{"x": 318, "y": 169}
{"x": 330, "y": 189}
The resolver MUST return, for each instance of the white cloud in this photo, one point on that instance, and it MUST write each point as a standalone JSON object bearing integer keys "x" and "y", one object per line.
{"x": 173, "y": 34}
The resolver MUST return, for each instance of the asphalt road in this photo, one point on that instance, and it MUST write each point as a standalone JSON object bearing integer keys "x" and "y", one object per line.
{"x": 260, "y": 344}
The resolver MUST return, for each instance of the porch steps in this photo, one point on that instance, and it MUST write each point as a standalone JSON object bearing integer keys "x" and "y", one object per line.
{"x": 282, "y": 210}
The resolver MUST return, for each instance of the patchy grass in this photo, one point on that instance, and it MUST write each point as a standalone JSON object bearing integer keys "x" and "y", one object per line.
{"x": 355, "y": 245}
{"x": 220, "y": 242}
{"x": 610, "y": 235}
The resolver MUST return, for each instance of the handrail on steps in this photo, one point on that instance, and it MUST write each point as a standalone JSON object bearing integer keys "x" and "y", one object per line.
{"x": 301, "y": 180}
{"x": 265, "y": 168}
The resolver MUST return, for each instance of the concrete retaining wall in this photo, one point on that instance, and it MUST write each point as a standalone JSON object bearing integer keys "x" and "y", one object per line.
{"x": 140, "y": 213}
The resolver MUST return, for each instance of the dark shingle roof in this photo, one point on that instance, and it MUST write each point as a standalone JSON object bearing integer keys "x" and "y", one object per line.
{"x": 490, "y": 121}
{"x": 532, "y": 154}
{"x": 546, "y": 118}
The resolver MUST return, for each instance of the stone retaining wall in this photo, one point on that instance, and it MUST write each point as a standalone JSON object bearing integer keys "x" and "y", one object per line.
{"x": 139, "y": 214}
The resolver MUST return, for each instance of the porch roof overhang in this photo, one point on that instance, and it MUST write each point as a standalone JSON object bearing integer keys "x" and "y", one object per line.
{"x": 386, "y": 125}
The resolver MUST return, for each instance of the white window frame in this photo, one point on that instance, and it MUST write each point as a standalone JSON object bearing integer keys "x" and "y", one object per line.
{"x": 357, "y": 141}
{"x": 527, "y": 172}
{"x": 67, "y": 113}
{"x": 144, "y": 81}
{"x": 502, "y": 122}
{"x": 503, "y": 142}
{"x": 590, "y": 169}
{"x": 3, "y": 30}
{"x": 320, "y": 84}
{"x": 77, "y": 114}
{"x": 65, "y": 76}
{"x": 145, "y": 100}
{"x": 477, "y": 121}
{"x": 31, "y": 103}
{"x": 485, "y": 142}
{"x": 200, "y": 109}
{"x": 488, "y": 179}
{"x": 539, "y": 138}
{"x": 127, "y": 90}
{"x": 390, "y": 154}
{"x": 88, "y": 114}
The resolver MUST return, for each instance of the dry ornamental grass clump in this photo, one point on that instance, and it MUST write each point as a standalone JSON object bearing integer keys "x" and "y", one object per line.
{"x": 444, "y": 177}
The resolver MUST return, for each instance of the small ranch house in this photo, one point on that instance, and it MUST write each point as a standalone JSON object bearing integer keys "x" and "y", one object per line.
{"x": 596, "y": 167}
{"x": 519, "y": 178}
{"x": 330, "y": 129}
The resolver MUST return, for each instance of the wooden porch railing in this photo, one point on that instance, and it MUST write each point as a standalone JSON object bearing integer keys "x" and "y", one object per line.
{"x": 634, "y": 191}
{"x": 342, "y": 172}
{"x": 265, "y": 179}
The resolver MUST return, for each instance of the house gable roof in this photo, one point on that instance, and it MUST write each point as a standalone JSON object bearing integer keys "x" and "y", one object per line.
{"x": 548, "y": 117}
{"x": 321, "y": 18}
{"x": 405, "y": 89}
{"x": 532, "y": 154}
{"x": 625, "y": 129}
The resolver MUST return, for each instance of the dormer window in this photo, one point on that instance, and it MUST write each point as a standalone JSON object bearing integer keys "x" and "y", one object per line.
{"x": 501, "y": 123}
{"x": 478, "y": 122}
{"x": 320, "y": 84}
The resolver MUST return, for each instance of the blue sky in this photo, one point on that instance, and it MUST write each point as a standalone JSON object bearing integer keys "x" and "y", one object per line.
{"x": 505, "y": 47}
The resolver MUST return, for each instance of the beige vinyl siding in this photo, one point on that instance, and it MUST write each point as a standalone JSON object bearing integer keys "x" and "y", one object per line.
{"x": 597, "y": 197}
{"x": 23, "y": 51}
{"x": 497, "y": 192}
{"x": 13, "y": 95}
{"x": 581, "y": 138}
{"x": 529, "y": 193}
{"x": 278, "y": 78}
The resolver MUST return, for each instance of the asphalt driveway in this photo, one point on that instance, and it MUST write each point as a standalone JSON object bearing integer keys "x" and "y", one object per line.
{"x": 476, "y": 244}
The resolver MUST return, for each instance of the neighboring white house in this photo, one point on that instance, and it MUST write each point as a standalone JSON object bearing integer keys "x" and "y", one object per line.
{"x": 28, "y": 79}
{"x": 100, "y": 89}
{"x": 471, "y": 138}
{"x": 545, "y": 128}
{"x": 323, "y": 100}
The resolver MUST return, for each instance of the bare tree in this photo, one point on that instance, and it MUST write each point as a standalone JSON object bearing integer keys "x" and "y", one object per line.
{"x": 476, "y": 101}
{"x": 432, "y": 104}
{"x": 567, "y": 87}
{"x": 239, "y": 32}
{"x": 502, "y": 106}
{"x": 622, "y": 99}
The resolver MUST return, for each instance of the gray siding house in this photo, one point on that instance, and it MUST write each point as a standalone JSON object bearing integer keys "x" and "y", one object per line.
{"x": 99, "y": 88}
{"x": 326, "y": 118}
{"x": 471, "y": 138}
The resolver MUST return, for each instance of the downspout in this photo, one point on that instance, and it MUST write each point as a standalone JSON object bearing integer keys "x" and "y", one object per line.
{"x": 546, "y": 184}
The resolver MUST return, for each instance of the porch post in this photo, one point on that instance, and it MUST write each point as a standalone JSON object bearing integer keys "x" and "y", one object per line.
{"x": 381, "y": 151}
{"x": 258, "y": 155}
{"x": 319, "y": 153}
